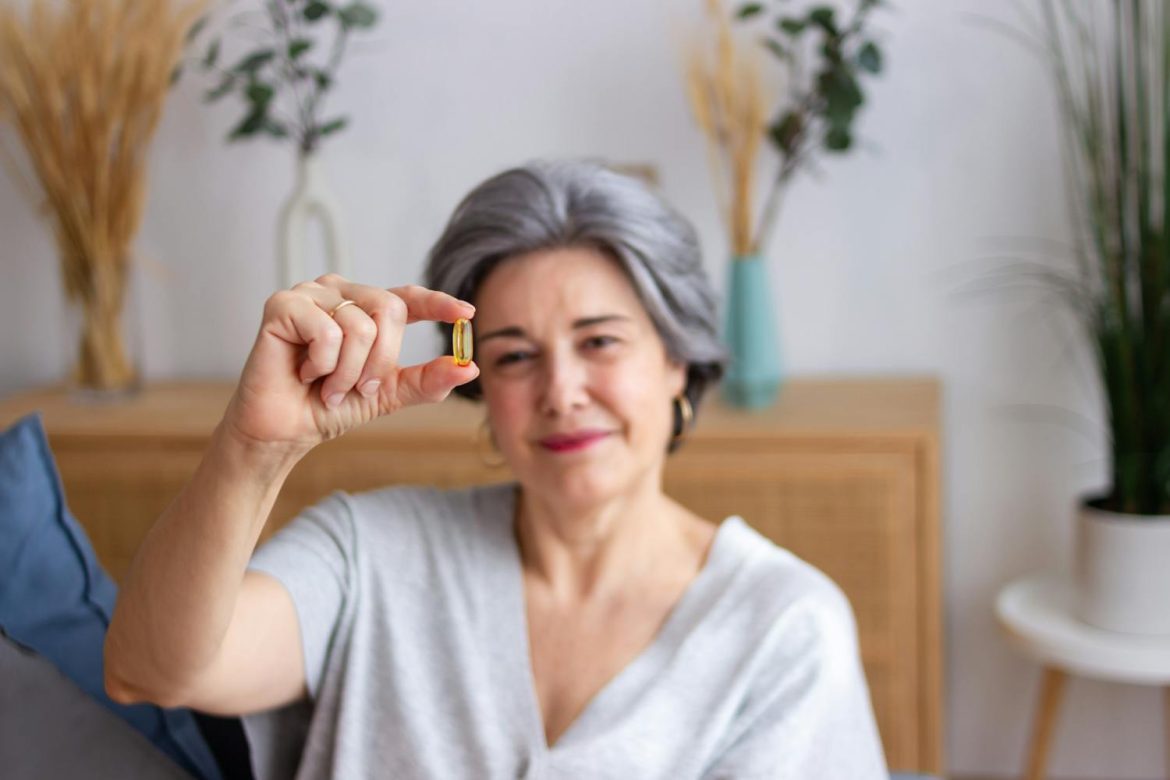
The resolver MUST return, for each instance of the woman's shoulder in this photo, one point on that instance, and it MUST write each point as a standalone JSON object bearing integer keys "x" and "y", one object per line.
{"x": 428, "y": 515}
{"x": 776, "y": 583}
{"x": 429, "y": 502}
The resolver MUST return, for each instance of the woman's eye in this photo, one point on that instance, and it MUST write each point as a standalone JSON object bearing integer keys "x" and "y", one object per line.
{"x": 511, "y": 357}
{"x": 600, "y": 341}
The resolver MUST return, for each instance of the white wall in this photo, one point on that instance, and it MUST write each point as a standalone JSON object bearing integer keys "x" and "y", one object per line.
{"x": 963, "y": 163}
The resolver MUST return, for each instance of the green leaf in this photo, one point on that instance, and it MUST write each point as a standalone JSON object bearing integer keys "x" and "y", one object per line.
{"x": 316, "y": 10}
{"x": 358, "y": 15}
{"x": 260, "y": 94}
{"x": 323, "y": 79}
{"x": 841, "y": 94}
{"x": 253, "y": 123}
{"x": 253, "y": 62}
{"x": 822, "y": 16}
{"x": 777, "y": 48}
{"x": 831, "y": 50}
{"x": 870, "y": 58}
{"x": 332, "y": 127}
{"x": 225, "y": 86}
{"x": 275, "y": 129}
{"x": 792, "y": 25}
{"x": 298, "y": 46}
{"x": 748, "y": 10}
{"x": 785, "y": 131}
{"x": 196, "y": 28}
{"x": 212, "y": 55}
{"x": 838, "y": 139}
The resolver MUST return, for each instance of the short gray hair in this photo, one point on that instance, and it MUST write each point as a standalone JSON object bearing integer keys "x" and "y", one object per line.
{"x": 574, "y": 203}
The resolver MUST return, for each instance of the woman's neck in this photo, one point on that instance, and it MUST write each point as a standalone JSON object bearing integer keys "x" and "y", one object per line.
{"x": 582, "y": 552}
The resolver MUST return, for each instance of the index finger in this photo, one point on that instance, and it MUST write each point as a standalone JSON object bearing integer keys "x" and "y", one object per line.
{"x": 425, "y": 304}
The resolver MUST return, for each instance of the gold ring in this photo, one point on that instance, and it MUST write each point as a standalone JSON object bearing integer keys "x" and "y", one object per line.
{"x": 339, "y": 307}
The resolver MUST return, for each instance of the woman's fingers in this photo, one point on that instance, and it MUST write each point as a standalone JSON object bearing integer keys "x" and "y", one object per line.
{"x": 358, "y": 333}
{"x": 426, "y": 304}
{"x": 389, "y": 313}
{"x": 367, "y": 340}
{"x": 433, "y": 381}
{"x": 298, "y": 320}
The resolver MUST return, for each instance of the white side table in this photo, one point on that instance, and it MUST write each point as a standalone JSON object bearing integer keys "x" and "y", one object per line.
{"x": 1037, "y": 615}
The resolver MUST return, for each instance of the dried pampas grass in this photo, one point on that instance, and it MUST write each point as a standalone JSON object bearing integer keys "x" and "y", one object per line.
{"x": 83, "y": 82}
{"x": 728, "y": 100}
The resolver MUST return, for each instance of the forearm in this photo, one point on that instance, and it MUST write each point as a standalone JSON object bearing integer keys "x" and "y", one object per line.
{"x": 177, "y": 600}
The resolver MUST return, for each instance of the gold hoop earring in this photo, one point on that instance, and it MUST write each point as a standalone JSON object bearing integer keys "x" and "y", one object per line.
{"x": 685, "y": 414}
{"x": 477, "y": 440}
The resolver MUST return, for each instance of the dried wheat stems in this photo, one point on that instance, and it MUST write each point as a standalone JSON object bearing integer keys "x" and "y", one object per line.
{"x": 728, "y": 101}
{"x": 83, "y": 82}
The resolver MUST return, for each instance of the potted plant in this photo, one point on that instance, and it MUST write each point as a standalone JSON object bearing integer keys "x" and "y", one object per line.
{"x": 283, "y": 80}
{"x": 822, "y": 59}
{"x": 1110, "y": 65}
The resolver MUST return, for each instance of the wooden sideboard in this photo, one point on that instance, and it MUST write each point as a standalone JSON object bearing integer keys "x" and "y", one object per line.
{"x": 843, "y": 472}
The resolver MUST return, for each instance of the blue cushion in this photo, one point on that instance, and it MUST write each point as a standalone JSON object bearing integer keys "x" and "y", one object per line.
{"x": 55, "y": 598}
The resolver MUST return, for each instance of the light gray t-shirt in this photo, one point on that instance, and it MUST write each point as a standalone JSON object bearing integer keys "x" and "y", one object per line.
{"x": 413, "y": 624}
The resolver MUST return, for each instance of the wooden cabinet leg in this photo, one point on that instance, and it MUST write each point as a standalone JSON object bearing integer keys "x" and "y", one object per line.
{"x": 1044, "y": 721}
{"x": 1166, "y": 725}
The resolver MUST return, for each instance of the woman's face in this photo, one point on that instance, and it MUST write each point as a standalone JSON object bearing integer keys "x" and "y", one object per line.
{"x": 577, "y": 382}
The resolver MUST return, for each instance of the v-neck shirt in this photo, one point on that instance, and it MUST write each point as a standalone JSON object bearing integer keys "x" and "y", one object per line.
{"x": 414, "y": 632}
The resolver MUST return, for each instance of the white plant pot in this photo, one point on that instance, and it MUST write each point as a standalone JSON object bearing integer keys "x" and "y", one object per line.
{"x": 311, "y": 198}
{"x": 1122, "y": 571}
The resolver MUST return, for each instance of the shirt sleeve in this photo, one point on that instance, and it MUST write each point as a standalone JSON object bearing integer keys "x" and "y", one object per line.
{"x": 314, "y": 558}
{"x": 808, "y": 713}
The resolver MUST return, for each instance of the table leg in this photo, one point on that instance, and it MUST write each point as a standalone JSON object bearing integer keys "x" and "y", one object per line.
{"x": 1044, "y": 721}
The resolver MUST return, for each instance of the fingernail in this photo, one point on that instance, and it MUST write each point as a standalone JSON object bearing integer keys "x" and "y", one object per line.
{"x": 334, "y": 400}
{"x": 370, "y": 388}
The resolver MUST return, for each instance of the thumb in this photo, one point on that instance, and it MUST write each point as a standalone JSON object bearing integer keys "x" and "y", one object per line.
{"x": 433, "y": 381}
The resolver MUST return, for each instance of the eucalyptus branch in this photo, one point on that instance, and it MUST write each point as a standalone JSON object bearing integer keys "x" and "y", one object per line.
{"x": 283, "y": 62}
{"x": 284, "y": 39}
{"x": 771, "y": 208}
{"x": 819, "y": 108}
{"x": 330, "y": 69}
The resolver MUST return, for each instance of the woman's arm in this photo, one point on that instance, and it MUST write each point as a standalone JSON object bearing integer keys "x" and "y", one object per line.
{"x": 191, "y": 626}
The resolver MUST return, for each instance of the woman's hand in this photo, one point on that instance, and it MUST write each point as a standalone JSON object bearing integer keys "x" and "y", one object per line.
{"x": 317, "y": 371}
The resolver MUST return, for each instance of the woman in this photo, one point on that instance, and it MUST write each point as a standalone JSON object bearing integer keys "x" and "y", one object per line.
{"x": 577, "y": 623}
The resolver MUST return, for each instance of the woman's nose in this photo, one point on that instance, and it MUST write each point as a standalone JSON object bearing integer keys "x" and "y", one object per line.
{"x": 565, "y": 384}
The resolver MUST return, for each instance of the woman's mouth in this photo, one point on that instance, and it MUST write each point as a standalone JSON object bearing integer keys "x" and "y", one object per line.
{"x": 569, "y": 442}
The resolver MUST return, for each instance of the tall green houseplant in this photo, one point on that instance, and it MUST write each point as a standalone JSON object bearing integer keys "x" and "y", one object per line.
{"x": 1111, "y": 67}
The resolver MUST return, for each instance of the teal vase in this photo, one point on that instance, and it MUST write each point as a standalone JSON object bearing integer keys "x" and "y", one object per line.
{"x": 753, "y": 377}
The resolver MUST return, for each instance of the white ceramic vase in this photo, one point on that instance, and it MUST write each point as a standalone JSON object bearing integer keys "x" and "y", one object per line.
{"x": 311, "y": 198}
{"x": 1122, "y": 571}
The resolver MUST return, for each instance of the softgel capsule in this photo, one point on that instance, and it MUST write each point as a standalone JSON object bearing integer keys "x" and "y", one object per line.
{"x": 462, "y": 342}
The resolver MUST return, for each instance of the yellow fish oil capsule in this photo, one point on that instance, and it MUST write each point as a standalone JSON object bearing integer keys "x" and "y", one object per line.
{"x": 462, "y": 342}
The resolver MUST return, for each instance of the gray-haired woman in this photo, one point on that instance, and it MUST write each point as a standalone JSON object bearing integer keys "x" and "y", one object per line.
{"x": 576, "y": 623}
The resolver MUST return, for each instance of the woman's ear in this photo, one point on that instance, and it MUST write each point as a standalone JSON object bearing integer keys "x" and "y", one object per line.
{"x": 677, "y": 378}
